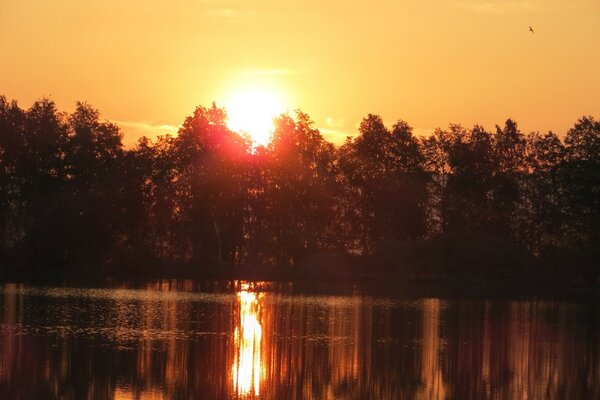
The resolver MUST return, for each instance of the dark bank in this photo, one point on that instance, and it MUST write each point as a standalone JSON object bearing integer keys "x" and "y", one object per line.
{"x": 463, "y": 203}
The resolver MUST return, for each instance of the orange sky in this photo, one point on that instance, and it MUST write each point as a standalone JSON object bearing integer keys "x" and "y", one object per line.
{"x": 146, "y": 64}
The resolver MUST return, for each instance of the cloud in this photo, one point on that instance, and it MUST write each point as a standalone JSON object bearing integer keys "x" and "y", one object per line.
{"x": 133, "y": 130}
{"x": 497, "y": 7}
{"x": 335, "y": 122}
{"x": 335, "y": 136}
{"x": 334, "y": 130}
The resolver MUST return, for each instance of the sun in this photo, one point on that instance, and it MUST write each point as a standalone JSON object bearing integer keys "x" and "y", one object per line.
{"x": 252, "y": 111}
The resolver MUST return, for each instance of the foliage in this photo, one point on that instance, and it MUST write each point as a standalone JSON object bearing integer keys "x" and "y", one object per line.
{"x": 458, "y": 202}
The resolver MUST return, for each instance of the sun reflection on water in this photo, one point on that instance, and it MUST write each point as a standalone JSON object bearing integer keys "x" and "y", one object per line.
{"x": 246, "y": 370}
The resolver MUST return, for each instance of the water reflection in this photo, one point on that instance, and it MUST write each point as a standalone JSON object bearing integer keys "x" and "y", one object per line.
{"x": 432, "y": 380}
{"x": 175, "y": 340}
{"x": 246, "y": 371}
{"x": 123, "y": 393}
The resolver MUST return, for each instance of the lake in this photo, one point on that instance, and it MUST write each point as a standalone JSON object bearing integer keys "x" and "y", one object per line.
{"x": 224, "y": 340}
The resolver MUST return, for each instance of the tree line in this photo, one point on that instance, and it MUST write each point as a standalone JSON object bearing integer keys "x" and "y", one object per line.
{"x": 460, "y": 201}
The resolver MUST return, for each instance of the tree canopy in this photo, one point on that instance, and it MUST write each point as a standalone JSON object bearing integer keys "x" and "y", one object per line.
{"x": 72, "y": 198}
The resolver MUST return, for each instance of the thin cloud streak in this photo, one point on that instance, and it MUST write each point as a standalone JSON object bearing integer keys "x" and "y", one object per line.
{"x": 147, "y": 126}
{"x": 134, "y": 130}
{"x": 335, "y": 136}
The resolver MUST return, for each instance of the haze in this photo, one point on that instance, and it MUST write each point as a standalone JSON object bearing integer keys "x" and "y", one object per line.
{"x": 147, "y": 64}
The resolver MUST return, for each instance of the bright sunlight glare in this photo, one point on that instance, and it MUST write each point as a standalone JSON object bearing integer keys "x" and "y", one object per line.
{"x": 252, "y": 112}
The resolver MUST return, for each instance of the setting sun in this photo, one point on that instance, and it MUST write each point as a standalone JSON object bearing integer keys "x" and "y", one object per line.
{"x": 252, "y": 112}
{"x": 267, "y": 199}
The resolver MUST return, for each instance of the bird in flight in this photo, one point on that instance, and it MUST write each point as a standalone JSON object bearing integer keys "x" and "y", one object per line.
{"x": 531, "y": 29}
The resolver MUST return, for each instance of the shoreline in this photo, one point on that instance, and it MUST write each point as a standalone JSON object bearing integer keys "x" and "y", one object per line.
{"x": 377, "y": 284}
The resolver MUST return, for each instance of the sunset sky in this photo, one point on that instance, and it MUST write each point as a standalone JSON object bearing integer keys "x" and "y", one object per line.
{"x": 146, "y": 64}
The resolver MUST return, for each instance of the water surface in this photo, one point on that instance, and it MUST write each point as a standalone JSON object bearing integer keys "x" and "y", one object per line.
{"x": 182, "y": 340}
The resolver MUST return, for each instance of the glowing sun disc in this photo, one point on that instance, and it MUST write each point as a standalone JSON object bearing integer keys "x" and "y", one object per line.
{"x": 252, "y": 112}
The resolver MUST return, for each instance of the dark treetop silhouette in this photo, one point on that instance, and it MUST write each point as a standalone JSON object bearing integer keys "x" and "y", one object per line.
{"x": 461, "y": 202}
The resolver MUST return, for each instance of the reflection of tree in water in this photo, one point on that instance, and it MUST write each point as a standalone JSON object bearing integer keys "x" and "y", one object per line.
{"x": 146, "y": 345}
{"x": 433, "y": 385}
{"x": 246, "y": 370}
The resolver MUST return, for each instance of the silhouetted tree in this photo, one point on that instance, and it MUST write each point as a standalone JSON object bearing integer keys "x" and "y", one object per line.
{"x": 470, "y": 156}
{"x": 581, "y": 179}
{"x": 12, "y": 158}
{"x": 387, "y": 174}
{"x": 211, "y": 184}
{"x": 508, "y": 180}
{"x": 436, "y": 150}
{"x": 156, "y": 161}
{"x": 92, "y": 201}
{"x": 542, "y": 198}
{"x": 42, "y": 173}
{"x": 73, "y": 200}
{"x": 299, "y": 191}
